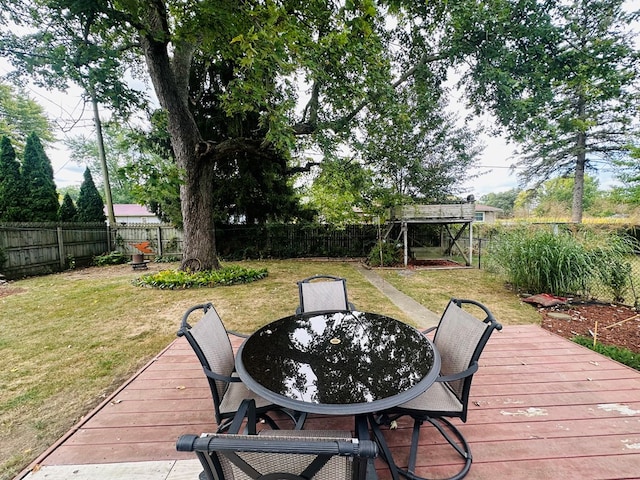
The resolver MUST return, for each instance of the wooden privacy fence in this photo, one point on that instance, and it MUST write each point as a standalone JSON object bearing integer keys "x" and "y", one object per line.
{"x": 28, "y": 249}
{"x": 164, "y": 239}
{"x": 39, "y": 248}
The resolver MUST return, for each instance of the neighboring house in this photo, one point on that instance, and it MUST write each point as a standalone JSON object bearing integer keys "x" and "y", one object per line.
{"x": 132, "y": 213}
{"x": 486, "y": 214}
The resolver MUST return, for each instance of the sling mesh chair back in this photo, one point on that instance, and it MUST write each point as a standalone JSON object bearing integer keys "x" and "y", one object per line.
{"x": 323, "y": 293}
{"x": 460, "y": 337}
{"x": 279, "y": 454}
{"x": 210, "y": 342}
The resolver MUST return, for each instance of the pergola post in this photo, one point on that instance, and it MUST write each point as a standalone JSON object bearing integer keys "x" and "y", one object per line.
{"x": 406, "y": 243}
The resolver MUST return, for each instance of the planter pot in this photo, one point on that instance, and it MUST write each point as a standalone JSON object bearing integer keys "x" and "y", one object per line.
{"x": 137, "y": 258}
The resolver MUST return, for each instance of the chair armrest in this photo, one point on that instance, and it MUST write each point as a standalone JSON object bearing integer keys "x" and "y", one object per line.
{"x": 460, "y": 375}
{"x": 429, "y": 330}
{"x": 489, "y": 316}
{"x": 238, "y": 334}
{"x": 221, "y": 378}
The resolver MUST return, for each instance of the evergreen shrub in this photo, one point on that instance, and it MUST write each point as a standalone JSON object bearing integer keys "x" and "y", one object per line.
{"x": 384, "y": 254}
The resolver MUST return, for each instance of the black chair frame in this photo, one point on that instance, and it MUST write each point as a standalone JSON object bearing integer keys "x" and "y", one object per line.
{"x": 223, "y": 419}
{"x": 208, "y": 449}
{"x": 438, "y": 418}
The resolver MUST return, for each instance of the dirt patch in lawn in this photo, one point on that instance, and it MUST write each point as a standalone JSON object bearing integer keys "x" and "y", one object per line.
{"x": 6, "y": 290}
{"x": 617, "y": 325}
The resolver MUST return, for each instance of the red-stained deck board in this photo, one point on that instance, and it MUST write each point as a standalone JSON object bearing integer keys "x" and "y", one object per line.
{"x": 541, "y": 407}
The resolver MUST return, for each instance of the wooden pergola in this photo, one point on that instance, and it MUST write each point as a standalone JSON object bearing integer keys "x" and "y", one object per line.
{"x": 440, "y": 214}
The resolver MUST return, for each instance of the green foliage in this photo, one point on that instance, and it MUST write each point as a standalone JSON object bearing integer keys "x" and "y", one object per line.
{"x": 619, "y": 354}
{"x": 110, "y": 258}
{"x": 90, "y": 205}
{"x": 41, "y": 199}
{"x": 76, "y": 47}
{"x": 20, "y": 116}
{"x": 616, "y": 275}
{"x": 67, "y": 211}
{"x": 628, "y": 171}
{"x": 593, "y": 96}
{"x": 423, "y": 155}
{"x": 11, "y": 187}
{"x": 555, "y": 196}
{"x": 177, "y": 279}
{"x": 384, "y": 254}
{"x": 504, "y": 200}
{"x": 152, "y": 175}
{"x": 339, "y": 192}
{"x": 539, "y": 260}
{"x": 70, "y": 262}
{"x": 167, "y": 258}
{"x": 120, "y": 150}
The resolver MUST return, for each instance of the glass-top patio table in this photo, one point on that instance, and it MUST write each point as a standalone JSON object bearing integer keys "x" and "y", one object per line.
{"x": 346, "y": 363}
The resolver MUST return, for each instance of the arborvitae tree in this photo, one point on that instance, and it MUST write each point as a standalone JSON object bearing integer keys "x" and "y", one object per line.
{"x": 11, "y": 191}
{"x": 40, "y": 199}
{"x": 67, "y": 211}
{"x": 90, "y": 204}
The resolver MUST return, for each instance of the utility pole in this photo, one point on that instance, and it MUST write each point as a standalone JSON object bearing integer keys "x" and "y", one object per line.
{"x": 103, "y": 161}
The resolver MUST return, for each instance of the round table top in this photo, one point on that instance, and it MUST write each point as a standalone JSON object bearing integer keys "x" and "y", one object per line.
{"x": 338, "y": 362}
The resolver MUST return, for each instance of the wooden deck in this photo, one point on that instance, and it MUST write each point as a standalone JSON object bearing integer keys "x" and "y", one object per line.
{"x": 541, "y": 407}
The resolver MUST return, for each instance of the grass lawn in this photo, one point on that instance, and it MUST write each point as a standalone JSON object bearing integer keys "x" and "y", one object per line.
{"x": 69, "y": 339}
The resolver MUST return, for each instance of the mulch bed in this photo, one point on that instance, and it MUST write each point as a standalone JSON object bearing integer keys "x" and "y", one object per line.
{"x": 612, "y": 324}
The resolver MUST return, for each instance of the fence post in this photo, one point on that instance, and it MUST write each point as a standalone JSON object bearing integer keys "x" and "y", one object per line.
{"x": 159, "y": 254}
{"x": 61, "y": 247}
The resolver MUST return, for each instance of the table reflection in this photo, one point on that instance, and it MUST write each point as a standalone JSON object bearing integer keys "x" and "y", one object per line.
{"x": 337, "y": 358}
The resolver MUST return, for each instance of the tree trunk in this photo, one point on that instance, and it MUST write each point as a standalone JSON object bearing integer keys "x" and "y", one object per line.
{"x": 578, "y": 185}
{"x": 578, "y": 179}
{"x": 170, "y": 81}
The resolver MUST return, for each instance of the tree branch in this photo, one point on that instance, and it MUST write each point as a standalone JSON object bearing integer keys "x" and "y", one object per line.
{"x": 310, "y": 126}
{"x": 303, "y": 168}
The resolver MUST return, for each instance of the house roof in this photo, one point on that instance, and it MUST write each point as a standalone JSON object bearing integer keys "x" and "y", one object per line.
{"x": 487, "y": 208}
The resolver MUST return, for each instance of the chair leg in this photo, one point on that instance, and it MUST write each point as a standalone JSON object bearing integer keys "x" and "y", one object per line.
{"x": 298, "y": 418}
{"x": 301, "y": 418}
{"x": 451, "y": 434}
{"x": 270, "y": 421}
{"x": 385, "y": 453}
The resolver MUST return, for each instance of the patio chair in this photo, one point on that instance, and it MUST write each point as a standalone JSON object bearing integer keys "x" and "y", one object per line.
{"x": 279, "y": 454}
{"x": 460, "y": 338}
{"x": 210, "y": 342}
{"x": 323, "y": 293}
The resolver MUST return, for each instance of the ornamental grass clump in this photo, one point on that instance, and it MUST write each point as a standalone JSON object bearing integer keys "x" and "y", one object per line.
{"x": 177, "y": 279}
{"x": 561, "y": 262}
